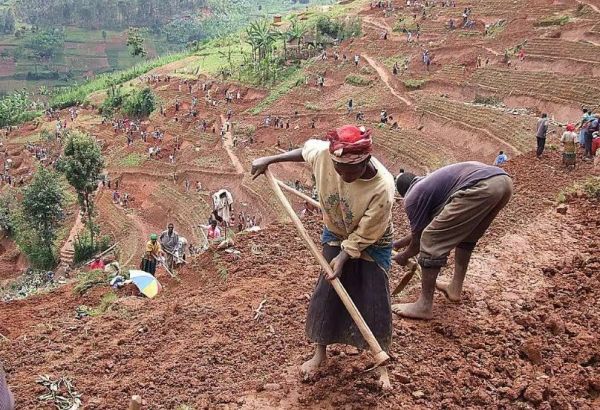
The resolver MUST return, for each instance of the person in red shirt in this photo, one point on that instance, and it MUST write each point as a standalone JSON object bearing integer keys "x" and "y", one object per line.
{"x": 97, "y": 264}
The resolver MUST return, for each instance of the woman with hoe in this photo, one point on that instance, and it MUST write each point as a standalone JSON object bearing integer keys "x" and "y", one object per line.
{"x": 356, "y": 194}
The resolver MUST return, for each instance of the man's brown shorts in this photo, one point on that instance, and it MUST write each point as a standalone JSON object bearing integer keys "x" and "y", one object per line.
{"x": 464, "y": 219}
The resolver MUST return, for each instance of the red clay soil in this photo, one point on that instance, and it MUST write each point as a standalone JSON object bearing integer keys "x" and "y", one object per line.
{"x": 525, "y": 336}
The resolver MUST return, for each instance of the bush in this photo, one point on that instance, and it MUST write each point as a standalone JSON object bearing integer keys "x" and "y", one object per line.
{"x": 84, "y": 250}
{"x": 592, "y": 187}
{"x": 340, "y": 29}
{"x": 414, "y": 84}
{"x": 358, "y": 80}
{"x": 38, "y": 254}
{"x": 17, "y": 108}
{"x": 113, "y": 102}
{"x": 8, "y": 202}
{"x": 140, "y": 103}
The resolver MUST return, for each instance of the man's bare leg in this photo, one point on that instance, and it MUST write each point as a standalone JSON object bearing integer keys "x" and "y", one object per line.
{"x": 319, "y": 359}
{"x": 422, "y": 308}
{"x": 384, "y": 378}
{"x": 453, "y": 290}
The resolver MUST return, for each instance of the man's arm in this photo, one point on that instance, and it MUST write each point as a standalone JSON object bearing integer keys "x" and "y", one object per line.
{"x": 403, "y": 242}
{"x": 412, "y": 250}
{"x": 260, "y": 165}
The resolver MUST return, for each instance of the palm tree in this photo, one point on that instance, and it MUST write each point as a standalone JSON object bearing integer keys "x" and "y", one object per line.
{"x": 296, "y": 31}
{"x": 261, "y": 38}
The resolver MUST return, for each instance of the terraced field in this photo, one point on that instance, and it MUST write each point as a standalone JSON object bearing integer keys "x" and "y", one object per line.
{"x": 551, "y": 87}
{"x": 515, "y": 131}
{"x": 561, "y": 49}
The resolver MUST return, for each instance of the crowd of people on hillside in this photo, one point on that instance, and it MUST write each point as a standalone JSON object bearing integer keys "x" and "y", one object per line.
{"x": 583, "y": 134}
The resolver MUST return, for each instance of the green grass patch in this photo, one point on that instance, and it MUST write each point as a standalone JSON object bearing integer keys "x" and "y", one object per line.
{"x": 405, "y": 23}
{"x": 553, "y": 21}
{"x": 89, "y": 280}
{"x": 357, "y": 80}
{"x": 487, "y": 100}
{"x": 106, "y": 302}
{"x": 246, "y": 130}
{"x": 133, "y": 159}
{"x": 414, "y": 84}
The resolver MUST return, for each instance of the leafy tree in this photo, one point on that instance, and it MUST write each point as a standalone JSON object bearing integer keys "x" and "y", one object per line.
{"x": 42, "y": 209}
{"x": 82, "y": 165}
{"x": 45, "y": 44}
{"x": 183, "y": 31}
{"x": 135, "y": 40}
{"x": 296, "y": 31}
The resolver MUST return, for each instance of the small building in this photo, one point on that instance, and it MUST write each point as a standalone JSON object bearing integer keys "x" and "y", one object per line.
{"x": 276, "y": 19}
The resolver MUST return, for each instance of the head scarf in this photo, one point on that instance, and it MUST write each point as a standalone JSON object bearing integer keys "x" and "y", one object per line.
{"x": 570, "y": 127}
{"x": 350, "y": 144}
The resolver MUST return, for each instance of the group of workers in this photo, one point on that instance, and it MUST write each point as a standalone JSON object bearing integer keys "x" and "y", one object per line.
{"x": 167, "y": 248}
{"x": 588, "y": 137}
{"x": 449, "y": 209}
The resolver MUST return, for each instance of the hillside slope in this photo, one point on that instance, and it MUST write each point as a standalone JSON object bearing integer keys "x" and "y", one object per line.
{"x": 524, "y": 337}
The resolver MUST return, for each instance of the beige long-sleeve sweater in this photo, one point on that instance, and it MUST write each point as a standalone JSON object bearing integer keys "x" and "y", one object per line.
{"x": 359, "y": 212}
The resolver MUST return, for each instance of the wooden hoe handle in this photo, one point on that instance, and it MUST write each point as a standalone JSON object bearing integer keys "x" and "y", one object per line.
{"x": 378, "y": 353}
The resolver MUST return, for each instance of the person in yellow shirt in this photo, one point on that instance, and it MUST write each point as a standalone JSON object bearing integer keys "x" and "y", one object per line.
{"x": 356, "y": 193}
{"x": 152, "y": 256}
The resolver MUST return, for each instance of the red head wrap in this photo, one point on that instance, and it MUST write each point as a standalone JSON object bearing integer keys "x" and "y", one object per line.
{"x": 350, "y": 144}
{"x": 570, "y": 127}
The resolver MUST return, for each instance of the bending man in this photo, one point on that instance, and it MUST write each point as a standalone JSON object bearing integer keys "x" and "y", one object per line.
{"x": 356, "y": 194}
{"x": 449, "y": 209}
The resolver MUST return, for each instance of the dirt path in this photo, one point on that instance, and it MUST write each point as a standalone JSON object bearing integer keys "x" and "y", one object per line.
{"x": 385, "y": 77}
{"x": 228, "y": 146}
{"x": 75, "y": 230}
{"x": 491, "y": 51}
{"x": 377, "y": 24}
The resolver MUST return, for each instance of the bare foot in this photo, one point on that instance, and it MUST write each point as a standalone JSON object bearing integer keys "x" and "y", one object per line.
{"x": 451, "y": 294}
{"x": 309, "y": 367}
{"x": 384, "y": 378}
{"x": 412, "y": 311}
